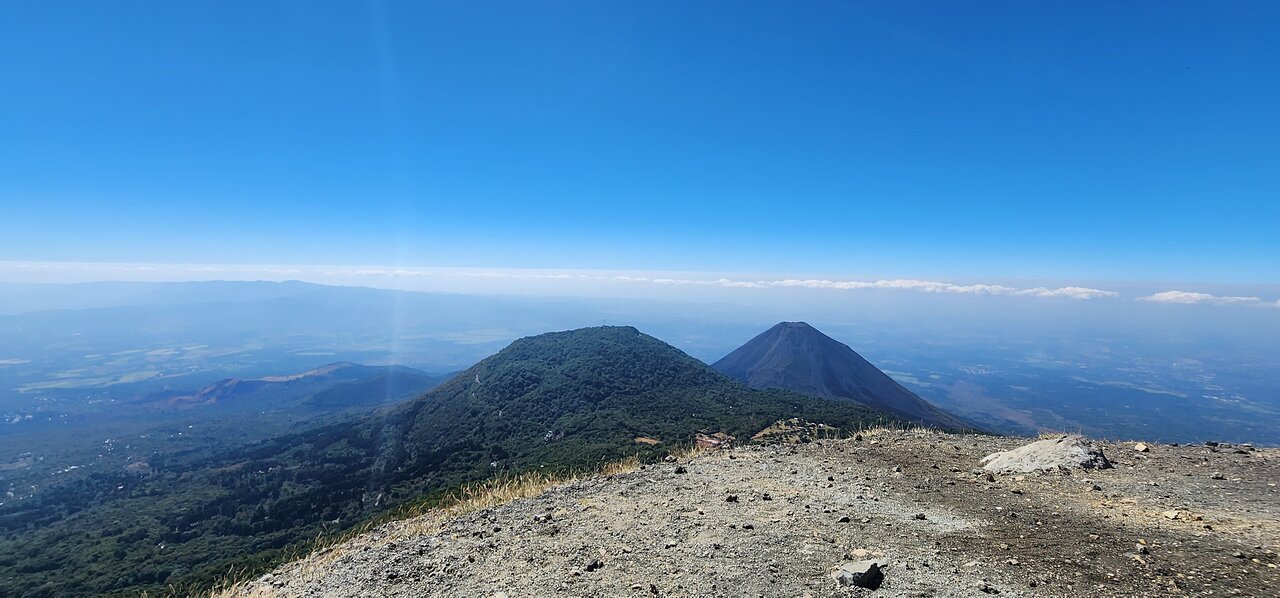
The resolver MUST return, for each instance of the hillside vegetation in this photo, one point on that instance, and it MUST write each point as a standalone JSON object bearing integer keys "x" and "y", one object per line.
{"x": 551, "y": 402}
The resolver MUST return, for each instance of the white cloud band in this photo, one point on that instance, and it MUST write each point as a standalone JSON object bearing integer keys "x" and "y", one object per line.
{"x": 1193, "y": 298}
{"x": 926, "y": 286}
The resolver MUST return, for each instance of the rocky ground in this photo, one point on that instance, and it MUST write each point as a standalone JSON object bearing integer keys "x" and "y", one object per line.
{"x": 783, "y": 520}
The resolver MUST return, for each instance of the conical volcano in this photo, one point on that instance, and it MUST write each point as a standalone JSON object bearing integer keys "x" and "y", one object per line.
{"x": 796, "y": 356}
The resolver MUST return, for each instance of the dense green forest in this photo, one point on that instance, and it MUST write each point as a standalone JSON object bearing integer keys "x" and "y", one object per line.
{"x": 555, "y": 401}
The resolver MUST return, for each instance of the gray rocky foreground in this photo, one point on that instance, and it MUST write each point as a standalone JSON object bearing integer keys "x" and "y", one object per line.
{"x": 810, "y": 519}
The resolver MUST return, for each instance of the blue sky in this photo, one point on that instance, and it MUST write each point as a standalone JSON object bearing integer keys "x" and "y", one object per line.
{"x": 1118, "y": 141}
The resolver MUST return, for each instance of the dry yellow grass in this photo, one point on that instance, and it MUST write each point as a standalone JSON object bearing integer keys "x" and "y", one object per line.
{"x": 1050, "y": 433}
{"x": 418, "y": 522}
{"x": 686, "y": 453}
{"x": 886, "y": 428}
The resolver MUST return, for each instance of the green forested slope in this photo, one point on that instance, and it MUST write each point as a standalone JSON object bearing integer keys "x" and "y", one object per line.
{"x": 553, "y": 401}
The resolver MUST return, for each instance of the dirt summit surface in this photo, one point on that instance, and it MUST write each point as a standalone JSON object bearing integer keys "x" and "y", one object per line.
{"x": 786, "y": 520}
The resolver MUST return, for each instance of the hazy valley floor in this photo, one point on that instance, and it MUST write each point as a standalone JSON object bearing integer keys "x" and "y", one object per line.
{"x": 1190, "y": 520}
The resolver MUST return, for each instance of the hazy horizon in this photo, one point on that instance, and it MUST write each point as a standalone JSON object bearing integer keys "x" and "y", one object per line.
{"x": 568, "y": 281}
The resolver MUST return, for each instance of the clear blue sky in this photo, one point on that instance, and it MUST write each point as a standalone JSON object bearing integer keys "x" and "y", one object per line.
{"x": 1122, "y": 140}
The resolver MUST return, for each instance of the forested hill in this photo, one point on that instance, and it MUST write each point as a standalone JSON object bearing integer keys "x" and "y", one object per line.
{"x": 553, "y": 401}
{"x": 796, "y": 356}
{"x": 590, "y": 393}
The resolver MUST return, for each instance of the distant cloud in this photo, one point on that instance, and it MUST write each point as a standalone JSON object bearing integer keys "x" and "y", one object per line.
{"x": 1190, "y": 298}
{"x": 1071, "y": 292}
{"x": 925, "y": 286}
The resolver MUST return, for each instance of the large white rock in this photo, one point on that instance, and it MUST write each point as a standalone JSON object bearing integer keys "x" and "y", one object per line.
{"x": 1072, "y": 452}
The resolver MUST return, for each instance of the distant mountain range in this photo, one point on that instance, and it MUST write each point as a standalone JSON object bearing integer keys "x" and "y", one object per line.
{"x": 331, "y": 387}
{"x": 796, "y": 356}
{"x": 550, "y": 402}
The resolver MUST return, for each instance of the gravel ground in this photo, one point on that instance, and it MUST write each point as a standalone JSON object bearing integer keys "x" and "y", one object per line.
{"x": 778, "y": 521}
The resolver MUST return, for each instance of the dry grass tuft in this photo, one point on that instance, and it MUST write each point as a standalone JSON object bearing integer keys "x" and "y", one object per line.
{"x": 885, "y": 428}
{"x": 686, "y": 452}
{"x": 1049, "y": 433}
